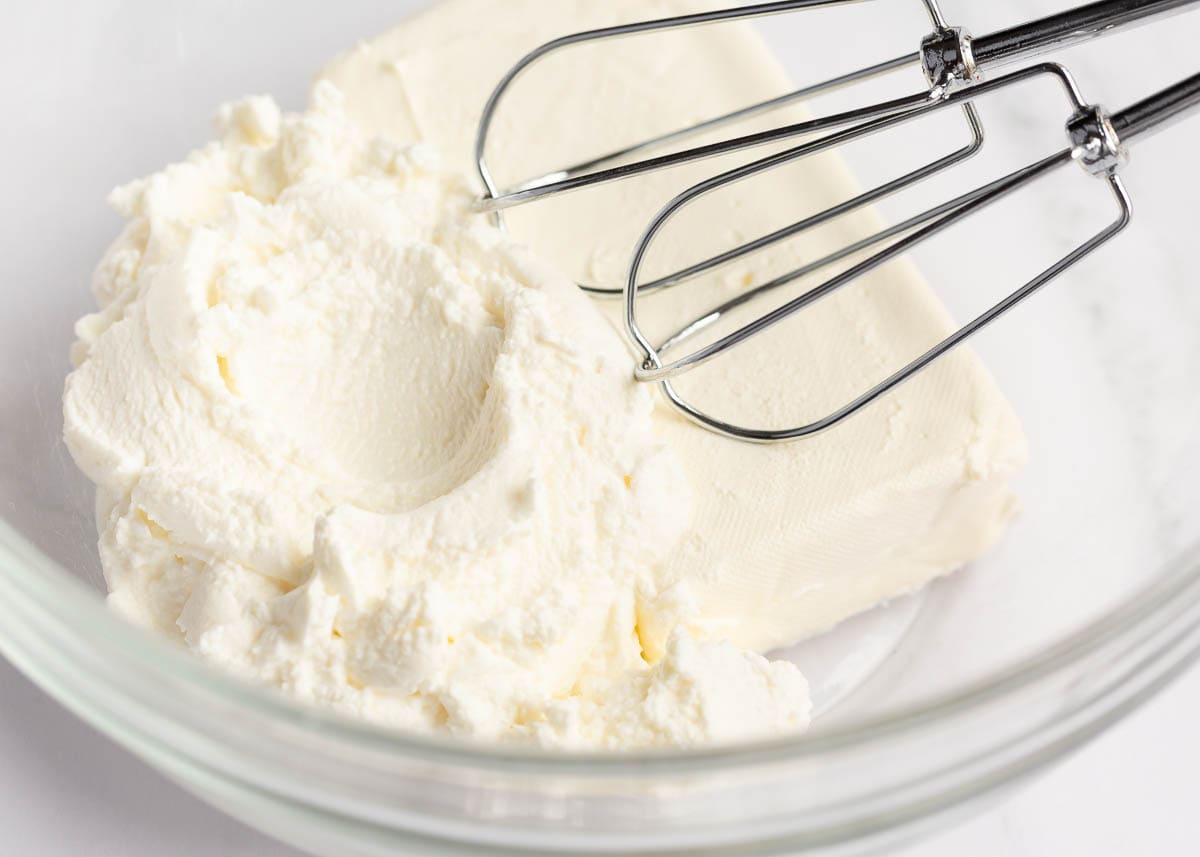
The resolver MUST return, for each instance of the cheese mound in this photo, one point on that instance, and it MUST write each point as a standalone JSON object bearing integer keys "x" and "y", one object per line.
{"x": 352, "y": 442}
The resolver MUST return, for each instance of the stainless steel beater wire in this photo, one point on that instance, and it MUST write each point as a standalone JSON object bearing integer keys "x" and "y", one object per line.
{"x": 993, "y": 192}
{"x": 946, "y": 345}
{"x": 711, "y": 150}
{"x": 1067, "y": 28}
{"x": 1147, "y": 115}
{"x": 654, "y": 369}
{"x": 739, "y": 13}
{"x": 726, "y": 119}
{"x": 866, "y": 198}
{"x": 1015, "y": 42}
{"x": 714, "y": 314}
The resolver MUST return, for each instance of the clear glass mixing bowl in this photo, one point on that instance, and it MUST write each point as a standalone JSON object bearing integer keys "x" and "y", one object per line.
{"x": 1090, "y": 605}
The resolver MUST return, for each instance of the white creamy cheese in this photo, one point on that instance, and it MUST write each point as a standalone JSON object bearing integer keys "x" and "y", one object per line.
{"x": 352, "y": 442}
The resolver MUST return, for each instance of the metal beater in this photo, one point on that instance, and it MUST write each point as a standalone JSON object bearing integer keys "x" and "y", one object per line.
{"x": 953, "y": 62}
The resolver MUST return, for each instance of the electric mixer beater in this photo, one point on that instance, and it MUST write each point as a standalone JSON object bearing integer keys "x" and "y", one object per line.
{"x": 953, "y": 63}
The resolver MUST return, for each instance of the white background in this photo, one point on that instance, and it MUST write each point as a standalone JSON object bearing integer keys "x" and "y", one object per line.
{"x": 65, "y": 790}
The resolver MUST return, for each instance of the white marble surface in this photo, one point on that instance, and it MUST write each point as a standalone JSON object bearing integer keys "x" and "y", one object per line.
{"x": 1113, "y": 422}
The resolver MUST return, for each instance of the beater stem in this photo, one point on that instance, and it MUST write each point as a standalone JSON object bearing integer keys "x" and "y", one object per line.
{"x": 1067, "y": 28}
{"x": 1159, "y": 110}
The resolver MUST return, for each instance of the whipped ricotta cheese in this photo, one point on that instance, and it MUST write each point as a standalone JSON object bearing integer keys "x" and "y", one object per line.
{"x": 352, "y": 442}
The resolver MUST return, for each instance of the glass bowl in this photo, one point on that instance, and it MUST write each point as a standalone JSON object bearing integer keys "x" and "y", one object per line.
{"x": 1090, "y": 605}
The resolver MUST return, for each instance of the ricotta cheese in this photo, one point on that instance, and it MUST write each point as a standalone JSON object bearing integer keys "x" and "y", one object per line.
{"x": 352, "y": 442}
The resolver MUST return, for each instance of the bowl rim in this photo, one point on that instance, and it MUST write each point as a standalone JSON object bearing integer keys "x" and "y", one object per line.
{"x": 78, "y": 608}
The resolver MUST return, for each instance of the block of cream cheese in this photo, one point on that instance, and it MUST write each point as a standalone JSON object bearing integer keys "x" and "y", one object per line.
{"x": 785, "y": 541}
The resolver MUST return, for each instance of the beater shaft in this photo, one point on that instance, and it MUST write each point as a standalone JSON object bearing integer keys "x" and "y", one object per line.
{"x": 1068, "y": 28}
